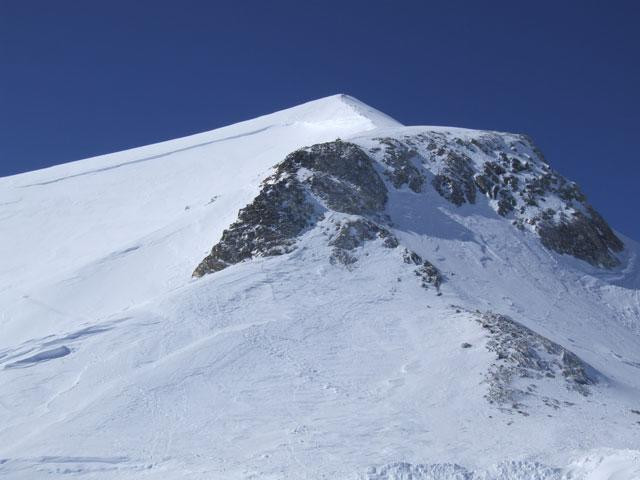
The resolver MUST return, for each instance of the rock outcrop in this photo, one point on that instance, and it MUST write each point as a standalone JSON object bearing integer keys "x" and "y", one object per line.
{"x": 522, "y": 354}
{"x": 586, "y": 236}
{"x": 352, "y": 234}
{"x": 267, "y": 226}
{"x": 334, "y": 176}
{"x": 512, "y": 174}
{"x": 426, "y": 270}
{"x": 341, "y": 177}
{"x": 311, "y": 183}
{"x": 401, "y": 170}
{"x": 338, "y": 173}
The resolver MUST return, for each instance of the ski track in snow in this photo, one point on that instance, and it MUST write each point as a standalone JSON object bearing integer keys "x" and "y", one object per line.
{"x": 154, "y": 157}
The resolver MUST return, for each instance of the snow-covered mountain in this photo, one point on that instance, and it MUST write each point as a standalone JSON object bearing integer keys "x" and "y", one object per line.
{"x": 317, "y": 293}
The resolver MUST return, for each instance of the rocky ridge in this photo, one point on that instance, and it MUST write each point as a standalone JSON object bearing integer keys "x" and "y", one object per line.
{"x": 309, "y": 184}
{"x": 512, "y": 174}
{"x": 462, "y": 166}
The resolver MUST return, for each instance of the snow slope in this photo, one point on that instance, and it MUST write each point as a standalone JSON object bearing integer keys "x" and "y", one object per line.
{"x": 115, "y": 363}
{"x": 70, "y": 230}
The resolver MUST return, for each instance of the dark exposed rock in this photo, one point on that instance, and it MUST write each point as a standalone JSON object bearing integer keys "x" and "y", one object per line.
{"x": 585, "y": 236}
{"x": 511, "y": 181}
{"x": 267, "y": 226}
{"x": 506, "y": 203}
{"x": 517, "y": 166}
{"x": 494, "y": 170}
{"x": 570, "y": 191}
{"x": 337, "y": 175}
{"x": 411, "y": 257}
{"x": 455, "y": 181}
{"x": 353, "y": 234}
{"x": 511, "y": 172}
{"x": 341, "y": 174}
{"x": 523, "y": 353}
{"x": 484, "y": 184}
{"x": 429, "y": 274}
{"x": 426, "y": 270}
{"x": 488, "y": 144}
{"x": 401, "y": 171}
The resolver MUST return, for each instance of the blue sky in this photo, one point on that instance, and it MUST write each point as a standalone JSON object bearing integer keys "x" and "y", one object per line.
{"x": 79, "y": 79}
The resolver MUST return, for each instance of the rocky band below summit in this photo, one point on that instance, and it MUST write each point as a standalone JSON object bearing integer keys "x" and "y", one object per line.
{"x": 335, "y": 176}
{"x": 507, "y": 169}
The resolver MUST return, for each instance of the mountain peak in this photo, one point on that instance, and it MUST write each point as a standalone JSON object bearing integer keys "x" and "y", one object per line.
{"x": 418, "y": 287}
{"x": 338, "y": 110}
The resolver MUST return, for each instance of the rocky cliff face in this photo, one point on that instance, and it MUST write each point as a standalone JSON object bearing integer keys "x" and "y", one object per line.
{"x": 512, "y": 175}
{"x": 310, "y": 183}
{"x": 505, "y": 170}
{"x": 335, "y": 176}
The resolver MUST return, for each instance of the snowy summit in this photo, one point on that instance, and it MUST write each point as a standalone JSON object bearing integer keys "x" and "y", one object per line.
{"x": 320, "y": 292}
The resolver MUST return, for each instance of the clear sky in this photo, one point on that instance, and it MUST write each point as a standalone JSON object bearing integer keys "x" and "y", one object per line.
{"x": 84, "y": 78}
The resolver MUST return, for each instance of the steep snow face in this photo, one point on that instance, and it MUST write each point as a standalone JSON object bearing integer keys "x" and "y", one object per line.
{"x": 400, "y": 303}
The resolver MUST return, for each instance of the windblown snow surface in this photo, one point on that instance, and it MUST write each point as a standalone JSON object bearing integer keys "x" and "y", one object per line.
{"x": 339, "y": 358}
